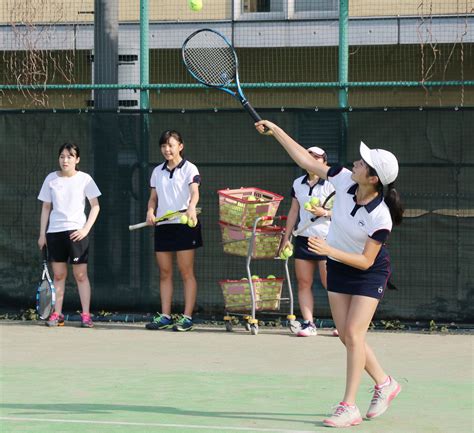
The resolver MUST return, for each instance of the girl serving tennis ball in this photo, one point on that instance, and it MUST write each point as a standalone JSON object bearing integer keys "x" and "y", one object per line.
{"x": 308, "y": 193}
{"x": 175, "y": 185}
{"x": 65, "y": 228}
{"x": 366, "y": 207}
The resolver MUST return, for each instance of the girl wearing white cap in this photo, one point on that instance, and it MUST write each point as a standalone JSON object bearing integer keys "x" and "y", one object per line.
{"x": 304, "y": 189}
{"x": 358, "y": 262}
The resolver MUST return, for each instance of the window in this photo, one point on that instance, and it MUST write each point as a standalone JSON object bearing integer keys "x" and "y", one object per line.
{"x": 247, "y": 10}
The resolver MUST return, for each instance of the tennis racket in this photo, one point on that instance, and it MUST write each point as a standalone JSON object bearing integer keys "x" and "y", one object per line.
{"x": 167, "y": 216}
{"x": 314, "y": 218}
{"x": 211, "y": 59}
{"x": 45, "y": 293}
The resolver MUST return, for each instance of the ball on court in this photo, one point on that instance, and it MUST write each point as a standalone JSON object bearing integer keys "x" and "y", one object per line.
{"x": 183, "y": 219}
{"x": 195, "y": 5}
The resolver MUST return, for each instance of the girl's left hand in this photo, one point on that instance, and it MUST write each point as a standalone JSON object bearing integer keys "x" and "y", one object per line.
{"x": 318, "y": 246}
{"x": 78, "y": 235}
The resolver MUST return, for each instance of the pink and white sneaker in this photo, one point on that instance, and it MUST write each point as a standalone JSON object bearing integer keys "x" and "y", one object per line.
{"x": 308, "y": 329}
{"x": 335, "y": 333}
{"x": 344, "y": 416}
{"x": 382, "y": 398}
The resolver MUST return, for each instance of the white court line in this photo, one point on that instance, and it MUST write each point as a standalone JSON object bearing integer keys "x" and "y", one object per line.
{"x": 149, "y": 424}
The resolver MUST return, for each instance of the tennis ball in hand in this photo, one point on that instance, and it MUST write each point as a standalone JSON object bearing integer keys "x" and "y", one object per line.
{"x": 314, "y": 201}
{"x": 195, "y": 5}
{"x": 183, "y": 219}
{"x": 192, "y": 223}
{"x": 307, "y": 205}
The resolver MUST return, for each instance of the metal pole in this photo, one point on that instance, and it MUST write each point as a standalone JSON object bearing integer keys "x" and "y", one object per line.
{"x": 144, "y": 291}
{"x": 144, "y": 56}
{"x": 343, "y": 74}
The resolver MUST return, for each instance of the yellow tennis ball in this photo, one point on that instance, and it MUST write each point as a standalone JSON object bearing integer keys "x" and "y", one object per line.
{"x": 192, "y": 223}
{"x": 288, "y": 251}
{"x": 314, "y": 201}
{"x": 195, "y": 5}
{"x": 270, "y": 277}
{"x": 183, "y": 219}
{"x": 307, "y": 205}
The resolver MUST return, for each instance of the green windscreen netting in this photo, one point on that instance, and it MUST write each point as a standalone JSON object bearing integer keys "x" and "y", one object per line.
{"x": 432, "y": 251}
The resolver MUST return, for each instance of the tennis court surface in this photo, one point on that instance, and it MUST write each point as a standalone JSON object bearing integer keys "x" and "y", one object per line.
{"x": 123, "y": 378}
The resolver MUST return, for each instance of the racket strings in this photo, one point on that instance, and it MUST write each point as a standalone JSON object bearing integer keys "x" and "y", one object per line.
{"x": 210, "y": 59}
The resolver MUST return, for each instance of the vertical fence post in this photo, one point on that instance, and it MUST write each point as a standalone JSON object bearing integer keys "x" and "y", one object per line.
{"x": 343, "y": 60}
{"x": 144, "y": 289}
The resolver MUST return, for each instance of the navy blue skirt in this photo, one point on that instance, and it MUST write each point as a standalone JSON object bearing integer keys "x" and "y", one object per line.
{"x": 351, "y": 281}
{"x": 302, "y": 252}
{"x": 177, "y": 237}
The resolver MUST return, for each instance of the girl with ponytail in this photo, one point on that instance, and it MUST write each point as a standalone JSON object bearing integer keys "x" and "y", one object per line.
{"x": 358, "y": 262}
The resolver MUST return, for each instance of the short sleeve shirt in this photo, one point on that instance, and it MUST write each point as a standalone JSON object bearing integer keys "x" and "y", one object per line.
{"x": 172, "y": 186}
{"x": 353, "y": 224}
{"x": 68, "y": 197}
{"x": 303, "y": 192}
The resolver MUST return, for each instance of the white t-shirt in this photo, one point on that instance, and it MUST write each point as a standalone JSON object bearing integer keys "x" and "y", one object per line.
{"x": 352, "y": 224}
{"x": 172, "y": 187}
{"x": 68, "y": 196}
{"x": 303, "y": 191}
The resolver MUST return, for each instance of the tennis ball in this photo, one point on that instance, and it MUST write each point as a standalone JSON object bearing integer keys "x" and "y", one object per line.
{"x": 183, "y": 219}
{"x": 270, "y": 277}
{"x": 288, "y": 251}
{"x": 195, "y": 5}
{"x": 307, "y": 205}
{"x": 192, "y": 223}
{"x": 255, "y": 277}
{"x": 251, "y": 198}
{"x": 314, "y": 201}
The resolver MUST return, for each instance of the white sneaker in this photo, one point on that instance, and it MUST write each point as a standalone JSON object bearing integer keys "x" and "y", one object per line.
{"x": 344, "y": 416}
{"x": 335, "y": 333}
{"x": 382, "y": 398}
{"x": 308, "y": 329}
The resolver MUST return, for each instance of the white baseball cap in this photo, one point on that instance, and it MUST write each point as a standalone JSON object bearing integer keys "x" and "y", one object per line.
{"x": 318, "y": 152}
{"x": 382, "y": 161}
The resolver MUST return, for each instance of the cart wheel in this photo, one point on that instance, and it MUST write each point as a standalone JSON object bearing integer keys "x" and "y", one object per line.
{"x": 254, "y": 329}
{"x": 247, "y": 326}
{"x": 294, "y": 326}
{"x": 228, "y": 326}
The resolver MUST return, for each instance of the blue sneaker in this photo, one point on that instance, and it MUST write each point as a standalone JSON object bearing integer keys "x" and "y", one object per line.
{"x": 183, "y": 324}
{"x": 160, "y": 322}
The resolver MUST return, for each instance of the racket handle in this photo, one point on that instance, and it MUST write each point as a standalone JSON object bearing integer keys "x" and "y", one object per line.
{"x": 137, "y": 226}
{"x": 251, "y": 111}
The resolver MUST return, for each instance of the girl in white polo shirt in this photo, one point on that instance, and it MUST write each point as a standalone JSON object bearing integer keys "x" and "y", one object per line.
{"x": 304, "y": 188}
{"x": 64, "y": 228}
{"x": 175, "y": 186}
{"x": 358, "y": 262}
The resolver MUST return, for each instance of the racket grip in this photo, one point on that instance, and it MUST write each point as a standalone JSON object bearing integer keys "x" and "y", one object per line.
{"x": 255, "y": 116}
{"x": 137, "y": 226}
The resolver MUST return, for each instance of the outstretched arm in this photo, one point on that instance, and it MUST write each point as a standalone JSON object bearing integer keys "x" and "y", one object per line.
{"x": 297, "y": 152}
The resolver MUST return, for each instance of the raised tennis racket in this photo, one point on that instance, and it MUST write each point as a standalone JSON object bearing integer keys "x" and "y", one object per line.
{"x": 167, "y": 216}
{"x": 314, "y": 218}
{"x": 45, "y": 293}
{"x": 211, "y": 59}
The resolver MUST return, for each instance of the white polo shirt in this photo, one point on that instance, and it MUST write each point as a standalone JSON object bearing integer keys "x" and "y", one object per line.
{"x": 352, "y": 224}
{"x": 172, "y": 186}
{"x": 303, "y": 192}
{"x": 68, "y": 197}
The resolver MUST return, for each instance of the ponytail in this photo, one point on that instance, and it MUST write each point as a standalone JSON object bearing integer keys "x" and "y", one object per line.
{"x": 392, "y": 200}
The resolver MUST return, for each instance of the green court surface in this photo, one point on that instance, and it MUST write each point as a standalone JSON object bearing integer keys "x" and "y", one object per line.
{"x": 123, "y": 378}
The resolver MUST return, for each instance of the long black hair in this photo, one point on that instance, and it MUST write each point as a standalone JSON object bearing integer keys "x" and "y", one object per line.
{"x": 391, "y": 198}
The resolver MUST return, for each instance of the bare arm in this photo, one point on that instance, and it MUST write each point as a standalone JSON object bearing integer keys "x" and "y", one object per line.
{"x": 360, "y": 261}
{"x": 94, "y": 212}
{"x": 45, "y": 211}
{"x": 297, "y": 152}
{"x": 290, "y": 221}
{"x": 151, "y": 207}
{"x": 193, "y": 201}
